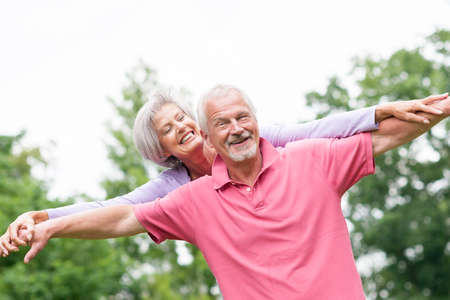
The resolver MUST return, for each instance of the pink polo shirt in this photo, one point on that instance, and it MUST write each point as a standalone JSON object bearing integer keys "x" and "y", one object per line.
{"x": 283, "y": 238}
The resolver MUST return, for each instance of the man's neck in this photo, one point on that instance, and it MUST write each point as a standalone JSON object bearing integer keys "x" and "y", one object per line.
{"x": 245, "y": 171}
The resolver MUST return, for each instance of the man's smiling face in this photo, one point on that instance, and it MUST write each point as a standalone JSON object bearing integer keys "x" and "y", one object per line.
{"x": 232, "y": 127}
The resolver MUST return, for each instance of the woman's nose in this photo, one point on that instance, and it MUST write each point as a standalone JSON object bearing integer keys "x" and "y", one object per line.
{"x": 180, "y": 126}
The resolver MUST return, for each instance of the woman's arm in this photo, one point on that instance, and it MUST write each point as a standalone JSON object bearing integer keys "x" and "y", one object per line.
{"x": 348, "y": 123}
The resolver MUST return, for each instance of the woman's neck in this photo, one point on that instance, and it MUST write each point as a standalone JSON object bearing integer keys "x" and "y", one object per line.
{"x": 198, "y": 167}
{"x": 200, "y": 164}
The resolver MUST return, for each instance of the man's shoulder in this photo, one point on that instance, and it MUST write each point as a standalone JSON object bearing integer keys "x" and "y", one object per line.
{"x": 306, "y": 145}
{"x": 317, "y": 145}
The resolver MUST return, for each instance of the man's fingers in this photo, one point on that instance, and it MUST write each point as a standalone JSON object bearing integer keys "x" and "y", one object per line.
{"x": 26, "y": 233}
{"x": 13, "y": 230}
{"x": 32, "y": 253}
{"x": 20, "y": 239}
{"x": 416, "y": 118}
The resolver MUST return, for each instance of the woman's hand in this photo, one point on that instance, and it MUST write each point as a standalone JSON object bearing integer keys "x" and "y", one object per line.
{"x": 406, "y": 110}
{"x": 7, "y": 246}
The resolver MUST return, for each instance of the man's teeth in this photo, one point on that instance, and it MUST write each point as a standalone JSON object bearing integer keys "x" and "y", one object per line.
{"x": 186, "y": 137}
{"x": 238, "y": 141}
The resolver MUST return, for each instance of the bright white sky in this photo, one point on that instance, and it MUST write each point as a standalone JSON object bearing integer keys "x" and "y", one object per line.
{"x": 59, "y": 60}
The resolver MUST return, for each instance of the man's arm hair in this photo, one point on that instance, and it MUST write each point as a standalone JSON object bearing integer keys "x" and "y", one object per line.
{"x": 393, "y": 132}
{"x": 102, "y": 223}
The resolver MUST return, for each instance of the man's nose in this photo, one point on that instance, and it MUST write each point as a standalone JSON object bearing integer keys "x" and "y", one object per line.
{"x": 235, "y": 128}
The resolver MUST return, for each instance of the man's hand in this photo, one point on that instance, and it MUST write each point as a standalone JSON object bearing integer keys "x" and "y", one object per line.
{"x": 394, "y": 132}
{"x": 25, "y": 221}
{"x": 40, "y": 239}
{"x": 407, "y": 110}
{"x": 11, "y": 240}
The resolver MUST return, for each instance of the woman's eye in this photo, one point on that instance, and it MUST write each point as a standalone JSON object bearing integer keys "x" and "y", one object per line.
{"x": 180, "y": 117}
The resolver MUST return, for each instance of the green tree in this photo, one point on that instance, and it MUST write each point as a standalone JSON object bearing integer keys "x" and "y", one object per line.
{"x": 403, "y": 211}
{"x": 67, "y": 269}
{"x": 156, "y": 271}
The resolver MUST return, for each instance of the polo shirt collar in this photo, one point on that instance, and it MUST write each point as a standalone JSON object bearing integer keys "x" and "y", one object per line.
{"x": 219, "y": 171}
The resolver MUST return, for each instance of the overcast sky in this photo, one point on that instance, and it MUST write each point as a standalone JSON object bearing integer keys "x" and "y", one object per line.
{"x": 59, "y": 60}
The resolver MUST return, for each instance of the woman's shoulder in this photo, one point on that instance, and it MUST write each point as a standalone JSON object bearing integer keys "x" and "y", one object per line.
{"x": 178, "y": 174}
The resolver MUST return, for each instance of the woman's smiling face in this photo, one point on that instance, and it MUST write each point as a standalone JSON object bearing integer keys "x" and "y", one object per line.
{"x": 178, "y": 134}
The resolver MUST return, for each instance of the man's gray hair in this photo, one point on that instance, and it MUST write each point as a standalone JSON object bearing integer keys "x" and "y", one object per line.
{"x": 144, "y": 132}
{"x": 217, "y": 92}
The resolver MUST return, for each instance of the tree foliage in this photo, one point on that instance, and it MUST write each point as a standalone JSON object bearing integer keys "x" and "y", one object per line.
{"x": 403, "y": 211}
{"x": 66, "y": 269}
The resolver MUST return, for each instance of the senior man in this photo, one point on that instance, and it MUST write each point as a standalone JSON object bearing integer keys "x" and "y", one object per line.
{"x": 267, "y": 220}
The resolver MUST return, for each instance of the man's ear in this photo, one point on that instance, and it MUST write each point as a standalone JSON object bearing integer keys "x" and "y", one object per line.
{"x": 205, "y": 137}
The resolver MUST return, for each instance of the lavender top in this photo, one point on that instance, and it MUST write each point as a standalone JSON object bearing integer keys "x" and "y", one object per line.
{"x": 339, "y": 125}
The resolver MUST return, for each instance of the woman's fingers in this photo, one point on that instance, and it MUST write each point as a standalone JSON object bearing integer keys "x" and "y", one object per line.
{"x": 432, "y": 98}
{"x": 428, "y": 109}
{"x": 22, "y": 222}
{"x": 3, "y": 251}
{"x": 6, "y": 247}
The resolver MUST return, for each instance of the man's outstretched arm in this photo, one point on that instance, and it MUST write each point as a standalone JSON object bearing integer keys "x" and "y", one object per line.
{"x": 102, "y": 223}
{"x": 393, "y": 132}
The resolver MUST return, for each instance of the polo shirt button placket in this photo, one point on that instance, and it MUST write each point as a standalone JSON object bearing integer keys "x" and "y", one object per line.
{"x": 249, "y": 189}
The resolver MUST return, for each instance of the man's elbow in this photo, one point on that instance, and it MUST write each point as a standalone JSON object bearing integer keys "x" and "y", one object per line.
{"x": 382, "y": 144}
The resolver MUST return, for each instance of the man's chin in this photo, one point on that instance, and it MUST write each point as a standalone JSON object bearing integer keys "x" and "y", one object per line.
{"x": 243, "y": 155}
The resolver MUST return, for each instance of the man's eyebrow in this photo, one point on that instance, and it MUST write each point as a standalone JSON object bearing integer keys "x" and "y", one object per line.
{"x": 218, "y": 119}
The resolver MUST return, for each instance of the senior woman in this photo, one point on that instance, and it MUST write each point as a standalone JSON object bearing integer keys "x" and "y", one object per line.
{"x": 165, "y": 132}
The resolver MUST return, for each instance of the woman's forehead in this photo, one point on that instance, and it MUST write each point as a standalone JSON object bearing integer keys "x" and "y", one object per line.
{"x": 165, "y": 113}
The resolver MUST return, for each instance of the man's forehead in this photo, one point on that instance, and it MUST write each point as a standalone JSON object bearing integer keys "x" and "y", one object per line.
{"x": 224, "y": 105}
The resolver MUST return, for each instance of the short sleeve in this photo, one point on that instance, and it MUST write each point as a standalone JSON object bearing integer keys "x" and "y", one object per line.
{"x": 170, "y": 217}
{"x": 342, "y": 162}
{"x": 349, "y": 160}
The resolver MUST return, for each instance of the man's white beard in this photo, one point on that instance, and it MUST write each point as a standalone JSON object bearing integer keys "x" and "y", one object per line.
{"x": 243, "y": 156}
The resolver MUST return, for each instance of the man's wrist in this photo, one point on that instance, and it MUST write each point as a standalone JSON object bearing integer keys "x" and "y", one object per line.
{"x": 382, "y": 111}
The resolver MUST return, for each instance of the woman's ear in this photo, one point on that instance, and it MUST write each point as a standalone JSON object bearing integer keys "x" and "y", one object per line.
{"x": 166, "y": 154}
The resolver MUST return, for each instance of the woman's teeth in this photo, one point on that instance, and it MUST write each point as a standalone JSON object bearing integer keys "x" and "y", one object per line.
{"x": 186, "y": 137}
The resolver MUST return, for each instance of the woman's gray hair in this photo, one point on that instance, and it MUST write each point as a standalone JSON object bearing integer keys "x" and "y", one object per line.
{"x": 219, "y": 91}
{"x": 144, "y": 133}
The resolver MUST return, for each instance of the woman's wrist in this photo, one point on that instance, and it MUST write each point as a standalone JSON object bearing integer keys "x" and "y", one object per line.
{"x": 38, "y": 216}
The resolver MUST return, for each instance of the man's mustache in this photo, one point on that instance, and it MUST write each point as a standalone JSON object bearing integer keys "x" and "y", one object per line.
{"x": 236, "y": 138}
